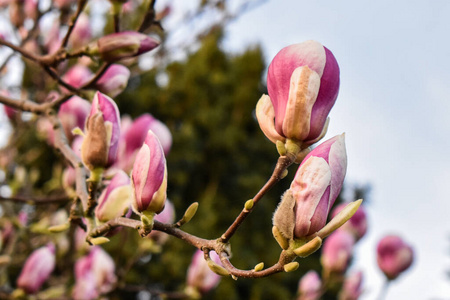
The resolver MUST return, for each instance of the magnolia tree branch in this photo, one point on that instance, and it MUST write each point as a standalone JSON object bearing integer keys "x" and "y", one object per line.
{"x": 37, "y": 201}
{"x": 73, "y": 21}
{"x": 283, "y": 163}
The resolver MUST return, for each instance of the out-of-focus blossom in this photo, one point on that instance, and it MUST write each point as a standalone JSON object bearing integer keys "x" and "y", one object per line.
{"x": 133, "y": 138}
{"x": 149, "y": 177}
{"x": 309, "y": 287}
{"x": 357, "y": 225}
{"x": 115, "y": 199}
{"x": 63, "y": 4}
{"x": 31, "y": 9}
{"x": 337, "y": 252}
{"x": 73, "y": 113}
{"x": 78, "y": 75}
{"x": 114, "y": 80}
{"x": 99, "y": 148}
{"x": 124, "y": 44}
{"x": 82, "y": 32}
{"x": 303, "y": 84}
{"x": 352, "y": 287}
{"x": 394, "y": 256}
{"x": 305, "y": 206}
{"x": 37, "y": 269}
{"x": 94, "y": 275}
{"x": 200, "y": 278}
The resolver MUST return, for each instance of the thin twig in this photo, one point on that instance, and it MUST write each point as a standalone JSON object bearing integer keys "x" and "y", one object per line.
{"x": 37, "y": 201}
{"x": 283, "y": 163}
{"x": 73, "y": 21}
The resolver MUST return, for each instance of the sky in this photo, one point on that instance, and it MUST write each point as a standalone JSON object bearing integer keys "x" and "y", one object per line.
{"x": 393, "y": 106}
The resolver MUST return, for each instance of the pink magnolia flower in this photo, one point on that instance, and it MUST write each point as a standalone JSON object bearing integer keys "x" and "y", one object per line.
{"x": 124, "y": 44}
{"x": 30, "y": 8}
{"x": 352, "y": 288}
{"x": 94, "y": 275}
{"x": 199, "y": 275}
{"x": 149, "y": 176}
{"x": 73, "y": 113}
{"x": 99, "y": 148}
{"x": 37, "y": 269}
{"x": 133, "y": 138}
{"x": 310, "y": 286}
{"x": 115, "y": 199}
{"x": 357, "y": 225}
{"x": 114, "y": 80}
{"x": 77, "y": 75}
{"x": 337, "y": 251}
{"x": 82, "y": 32}
{"x": 303, "y": 84}
{"x": 394, "y": 256}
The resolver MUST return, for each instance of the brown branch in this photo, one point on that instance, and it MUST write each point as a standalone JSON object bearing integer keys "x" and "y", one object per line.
{"x": 283, "y": 163}
{"x": 24, "y": 105}
{"x": 73, "y": 21}
{"x": 149, "y": 17}
{"x": 90, "y": 84}
{"x": 37, "y": 201}
{"x": 23, "y": 52}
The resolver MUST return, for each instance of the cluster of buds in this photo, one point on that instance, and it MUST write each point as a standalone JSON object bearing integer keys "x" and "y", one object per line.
{"x": 303, "y": 84}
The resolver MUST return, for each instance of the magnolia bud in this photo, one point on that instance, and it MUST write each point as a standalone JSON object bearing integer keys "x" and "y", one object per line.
{"x": 199, "y": 276}
{"x": 94, "y": 275}
{"x": 357, "y": 224}
{"x": 73, "y": 113}
{"x": 394, "y": 256}
{"x": 99, "y": 148}
{"x": 77, "y": 76}
{"x": 114, "y": 80}
{"x": 37, "y": 269}
{"x": 124, "y": 44}
{"x": 303, "y": 83}
{"x": 337, "y": 251}
{"x": 149, "y": 176}
{"x": 352, "y": 287}
{"x": 305, "y": 206}
{"x": 115, "y": 199}
{"x": 309, "y": 286}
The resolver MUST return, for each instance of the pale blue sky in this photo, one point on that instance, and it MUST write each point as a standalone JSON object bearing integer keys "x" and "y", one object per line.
{"x": 394, "y": 106}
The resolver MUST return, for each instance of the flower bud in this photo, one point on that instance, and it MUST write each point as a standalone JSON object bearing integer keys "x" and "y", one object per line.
{"x": 99, "y": 148}
{"x": 73, "y": 113}
{"x": 303, "y": 84}
{"x": 37, "y": 269}
{"x": 124, "y": 44}
{"x": 199, "y": 276}
{"x": 77, "y": 76}
{"x": 149, "y": 177}
{"x": 31, "y": 9}
{"x": 305, "y": 206}
{"x": 337, "y": 251}
{"x": 394, "y": 256}
{"x": 357, "y": 224}
{"x": 94, "y": 275}
{"x": 114, "y": 80}
{"x": 352, "y": 288}
{"x": 115, "y": 199}
{"x": 309, "y": 286}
